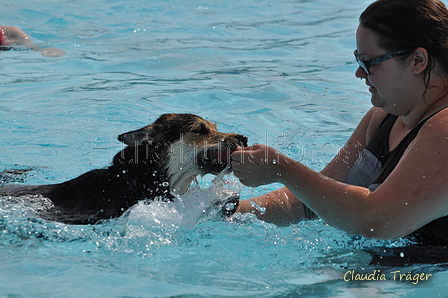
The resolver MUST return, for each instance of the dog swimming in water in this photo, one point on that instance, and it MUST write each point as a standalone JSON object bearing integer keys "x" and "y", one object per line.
{"x": 160, "y": 161}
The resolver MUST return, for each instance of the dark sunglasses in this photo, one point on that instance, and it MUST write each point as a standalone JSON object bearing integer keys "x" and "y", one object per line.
{"x": 374, "y": 61}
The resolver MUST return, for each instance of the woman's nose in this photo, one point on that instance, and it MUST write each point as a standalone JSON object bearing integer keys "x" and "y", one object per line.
{"x": 360, "y": 73}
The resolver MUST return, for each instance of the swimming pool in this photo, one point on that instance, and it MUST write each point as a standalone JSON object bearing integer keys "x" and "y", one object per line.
{"x": 280, "y": 72}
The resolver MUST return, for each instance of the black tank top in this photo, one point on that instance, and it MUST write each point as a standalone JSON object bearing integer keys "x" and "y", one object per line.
{"x": 434, "y": 233}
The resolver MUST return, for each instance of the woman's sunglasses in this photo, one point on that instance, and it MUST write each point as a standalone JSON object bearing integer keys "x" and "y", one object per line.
{"x": 371, "y": 62}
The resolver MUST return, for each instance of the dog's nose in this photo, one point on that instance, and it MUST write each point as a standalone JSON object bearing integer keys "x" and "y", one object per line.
{"x": 242, "y": 139}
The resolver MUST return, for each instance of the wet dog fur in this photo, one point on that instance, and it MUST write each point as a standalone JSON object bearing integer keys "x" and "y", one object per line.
{"x": 159, "y": 161}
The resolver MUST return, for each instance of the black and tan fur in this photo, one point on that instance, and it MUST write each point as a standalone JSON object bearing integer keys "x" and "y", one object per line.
{"x": 160, "y": 160}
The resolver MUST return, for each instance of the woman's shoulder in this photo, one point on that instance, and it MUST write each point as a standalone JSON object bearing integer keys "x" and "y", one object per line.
{"x": 436, "y": 125}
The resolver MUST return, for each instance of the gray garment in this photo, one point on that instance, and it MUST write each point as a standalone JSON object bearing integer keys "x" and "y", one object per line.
{"x": 364, "y": 171}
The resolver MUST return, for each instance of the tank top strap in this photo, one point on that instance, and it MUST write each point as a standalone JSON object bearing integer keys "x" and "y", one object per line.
{"x": 389, "y": 160}
{"x": 379, "y": 144}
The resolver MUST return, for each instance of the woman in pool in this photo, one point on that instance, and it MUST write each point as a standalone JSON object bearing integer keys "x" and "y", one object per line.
{"x": 12, "y": 36}
{"x": 390, "y": 180}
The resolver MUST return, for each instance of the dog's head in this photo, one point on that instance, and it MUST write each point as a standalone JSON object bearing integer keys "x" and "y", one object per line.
{"x": 186, "y": 146}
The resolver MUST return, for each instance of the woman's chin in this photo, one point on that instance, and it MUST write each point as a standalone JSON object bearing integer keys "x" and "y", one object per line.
{"x": 377, "y": 102}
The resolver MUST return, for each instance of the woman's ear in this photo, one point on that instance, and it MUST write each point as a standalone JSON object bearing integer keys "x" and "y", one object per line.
{"x": 420, "y": 60}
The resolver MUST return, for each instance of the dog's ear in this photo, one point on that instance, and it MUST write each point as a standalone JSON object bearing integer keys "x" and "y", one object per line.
{"x": 137, "y": 137}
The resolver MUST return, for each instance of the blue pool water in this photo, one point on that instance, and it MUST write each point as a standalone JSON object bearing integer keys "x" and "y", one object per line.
{"x": 280, "y": 72}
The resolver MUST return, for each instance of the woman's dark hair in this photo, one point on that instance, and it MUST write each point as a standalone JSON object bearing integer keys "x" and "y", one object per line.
{"x": 409, "y": 24}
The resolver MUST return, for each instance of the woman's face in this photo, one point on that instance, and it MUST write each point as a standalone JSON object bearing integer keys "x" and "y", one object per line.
{"x": 389, "y": 81}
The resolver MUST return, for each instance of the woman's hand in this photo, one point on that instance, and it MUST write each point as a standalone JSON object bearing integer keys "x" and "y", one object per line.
{"x": 258, "y": 165}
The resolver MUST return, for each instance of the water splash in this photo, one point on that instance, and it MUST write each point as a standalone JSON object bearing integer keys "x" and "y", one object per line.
{"x": 196, "y": 205}
{"x": 143, "y": 226}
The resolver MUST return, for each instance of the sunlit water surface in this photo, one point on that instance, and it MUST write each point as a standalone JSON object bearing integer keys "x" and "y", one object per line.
{"x": 280, "y": 72}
